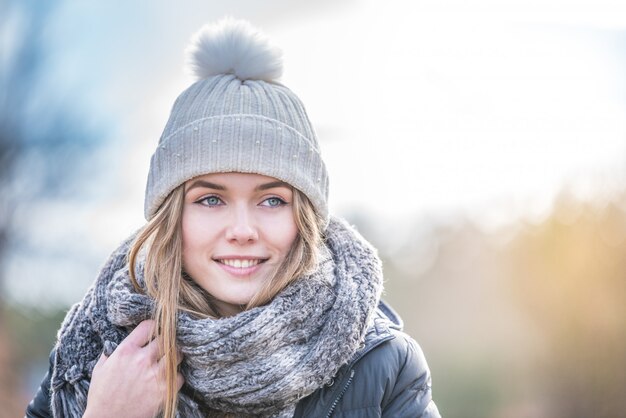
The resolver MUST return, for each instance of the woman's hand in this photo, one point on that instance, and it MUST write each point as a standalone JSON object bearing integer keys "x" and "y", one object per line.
{"x": 131, "y": 382}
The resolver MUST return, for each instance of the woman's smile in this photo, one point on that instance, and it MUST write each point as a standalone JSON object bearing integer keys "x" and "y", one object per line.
{"x": 240, "y": 266}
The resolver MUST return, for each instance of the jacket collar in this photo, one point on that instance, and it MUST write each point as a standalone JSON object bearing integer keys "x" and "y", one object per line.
{"x": 385, "y": 320}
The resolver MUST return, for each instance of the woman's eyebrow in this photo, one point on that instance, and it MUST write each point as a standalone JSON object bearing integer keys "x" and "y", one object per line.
{"x": 271, "y": 185}
{"x": 204, "y": 183}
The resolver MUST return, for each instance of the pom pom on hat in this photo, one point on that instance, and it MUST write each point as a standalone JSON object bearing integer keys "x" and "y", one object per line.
{"x": 233, "y": 46}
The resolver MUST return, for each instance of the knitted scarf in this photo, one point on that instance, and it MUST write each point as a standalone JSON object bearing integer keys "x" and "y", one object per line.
{"x": 260, "y": 362}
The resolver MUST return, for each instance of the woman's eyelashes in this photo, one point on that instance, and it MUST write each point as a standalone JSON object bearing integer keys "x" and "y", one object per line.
{"x": 210, "y": 201}
{"x": 271, "y": 202}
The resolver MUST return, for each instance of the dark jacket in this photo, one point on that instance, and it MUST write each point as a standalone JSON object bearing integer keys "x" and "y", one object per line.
{"x": 388, "y": 377}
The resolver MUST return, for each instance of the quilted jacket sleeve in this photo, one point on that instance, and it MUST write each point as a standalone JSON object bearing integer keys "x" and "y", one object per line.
{"x": 39, "y": 407}
{"x": 411, "y": 395}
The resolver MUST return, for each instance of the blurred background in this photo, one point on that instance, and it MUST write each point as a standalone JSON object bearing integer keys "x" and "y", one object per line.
{"x": 480, "y": 145}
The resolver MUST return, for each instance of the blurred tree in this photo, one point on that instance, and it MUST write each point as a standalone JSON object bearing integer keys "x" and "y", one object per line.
{"x": 41, "y": 134}
{"x": 529, "y": 321}
{"x": 569, "y": 273}
{"x": 42, "y": 140}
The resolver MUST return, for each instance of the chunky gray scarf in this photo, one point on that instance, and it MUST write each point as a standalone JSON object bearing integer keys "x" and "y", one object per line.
{"x": 260, "y": 362}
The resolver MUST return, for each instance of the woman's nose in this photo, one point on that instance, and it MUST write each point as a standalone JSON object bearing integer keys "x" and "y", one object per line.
{"x": 241, "y": 228}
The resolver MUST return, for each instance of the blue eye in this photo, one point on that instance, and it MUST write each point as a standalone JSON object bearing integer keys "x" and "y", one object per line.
{"x": 274, "y": 202}
{"x": 211, "y": 201}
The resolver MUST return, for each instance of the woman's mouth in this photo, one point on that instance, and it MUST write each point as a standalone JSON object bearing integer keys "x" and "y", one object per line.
{"x": 238, "y": 263}
{"x": 240, "y": 266}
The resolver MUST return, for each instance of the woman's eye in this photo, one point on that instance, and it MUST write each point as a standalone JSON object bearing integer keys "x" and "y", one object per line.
{"x": 273, "y": 202}
{"x": 211, "y": 201}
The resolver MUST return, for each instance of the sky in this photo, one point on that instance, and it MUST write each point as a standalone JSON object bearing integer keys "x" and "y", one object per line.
{"x": 486, "y": 109}
{"x": 421, "y": 107}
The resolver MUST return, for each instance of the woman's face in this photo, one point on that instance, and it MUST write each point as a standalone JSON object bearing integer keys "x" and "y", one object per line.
{"x": 237, "y": 228}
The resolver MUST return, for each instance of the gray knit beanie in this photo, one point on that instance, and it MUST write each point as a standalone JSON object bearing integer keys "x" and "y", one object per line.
{"x": 237, "y": 118}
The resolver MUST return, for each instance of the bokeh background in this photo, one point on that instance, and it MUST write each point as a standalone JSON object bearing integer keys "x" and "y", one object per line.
{"x": 480, "y": 145}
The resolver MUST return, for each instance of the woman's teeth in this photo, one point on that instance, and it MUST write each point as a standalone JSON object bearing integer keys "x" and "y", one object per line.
{"x": 240, "y": 264}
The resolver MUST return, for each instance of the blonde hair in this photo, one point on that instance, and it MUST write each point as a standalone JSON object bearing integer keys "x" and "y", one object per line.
{"x": 173, "y": 290}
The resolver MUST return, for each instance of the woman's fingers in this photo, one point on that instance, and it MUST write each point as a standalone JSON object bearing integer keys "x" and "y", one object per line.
{"x": 153, "y": 351}
{"x": 162, "y": 365}
{"x": 180, "y": 380}
{"x": 125, "y": 383}
{"x": 100, "y": 361}
{"x": 141, "y": 335}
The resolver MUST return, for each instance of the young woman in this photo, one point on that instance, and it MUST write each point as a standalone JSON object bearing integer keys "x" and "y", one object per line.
{"x": 241, "y": 296}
